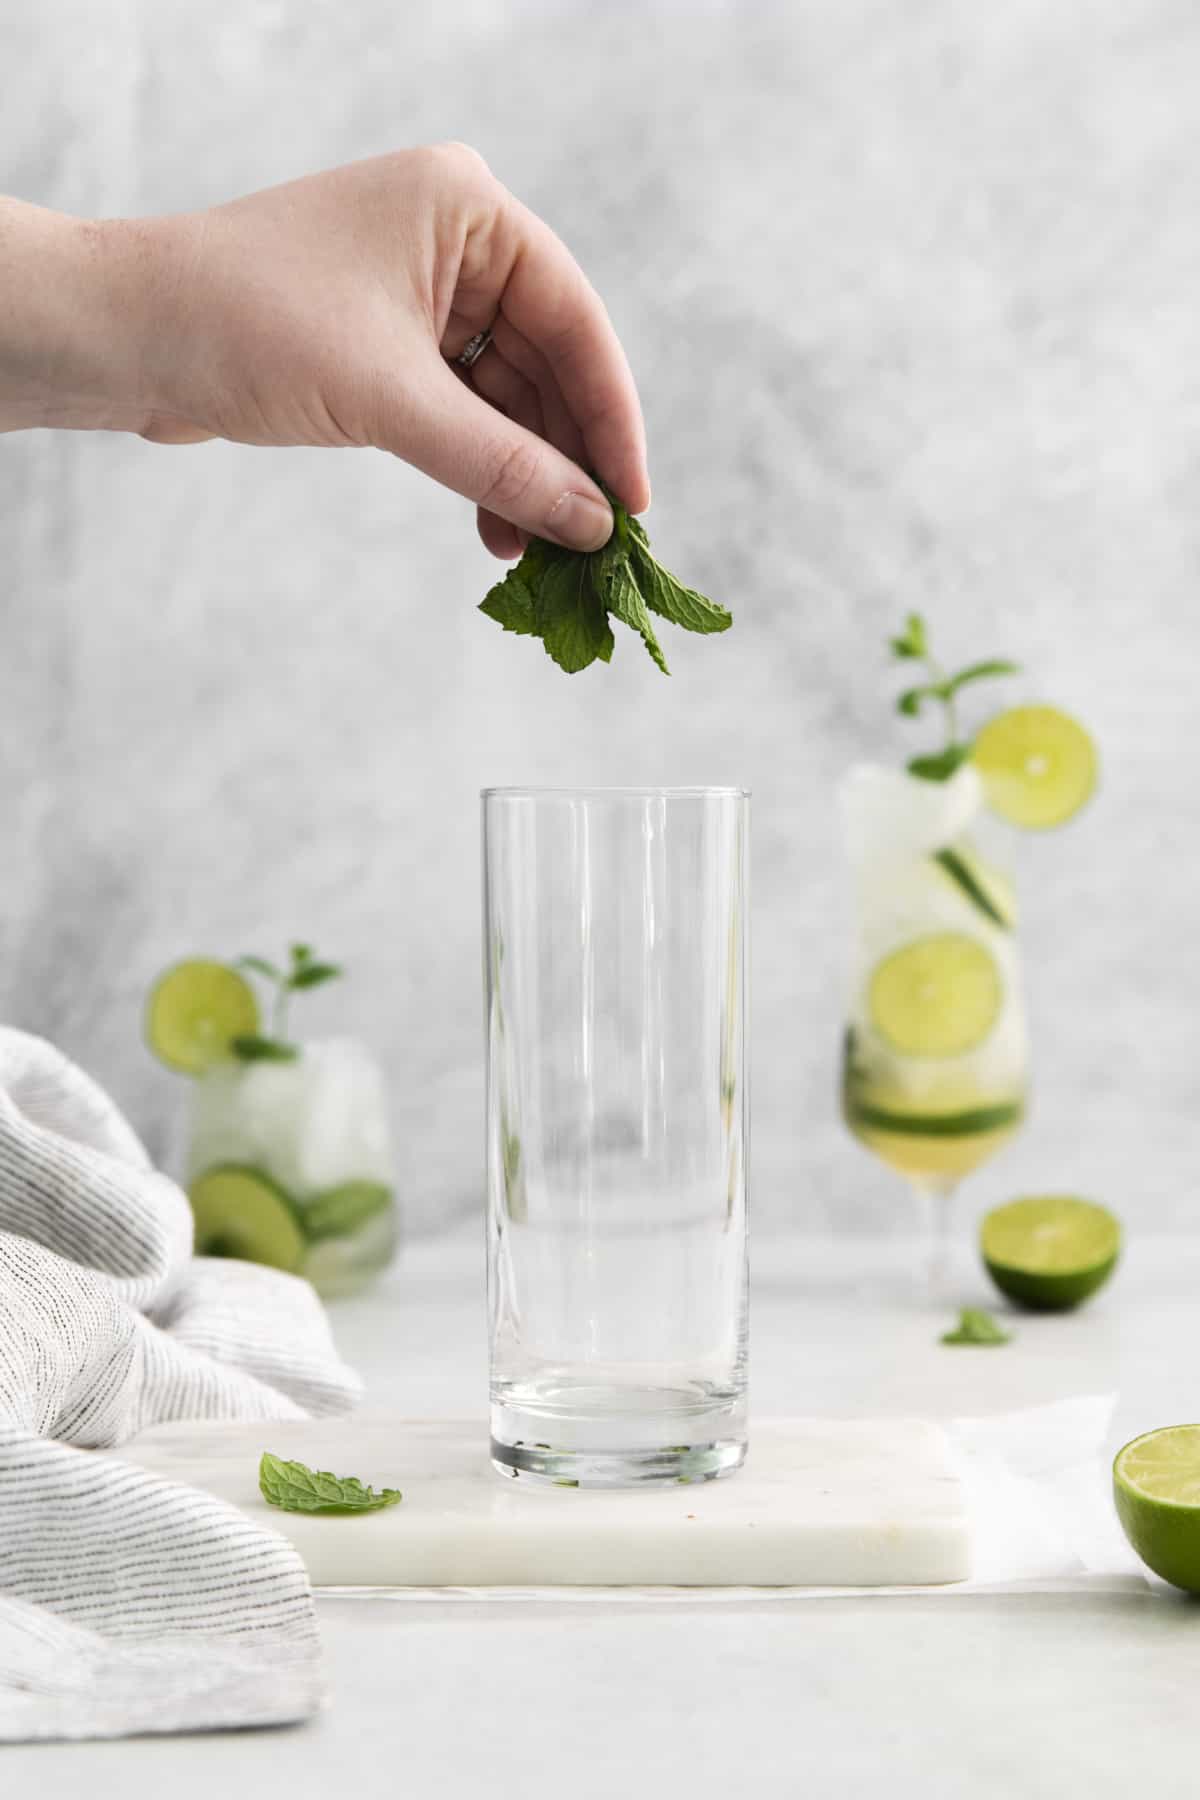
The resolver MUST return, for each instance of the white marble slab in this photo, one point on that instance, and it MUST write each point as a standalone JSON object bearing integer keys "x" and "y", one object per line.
{"x": 819, "y": 1502}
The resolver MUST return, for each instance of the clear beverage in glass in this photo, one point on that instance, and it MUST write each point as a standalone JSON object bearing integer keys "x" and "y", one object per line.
{"x": 615, "y": 951}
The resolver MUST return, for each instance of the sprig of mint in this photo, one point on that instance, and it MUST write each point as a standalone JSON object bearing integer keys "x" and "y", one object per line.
{"x": 568, "y": 597}
{"x": 297, "y": 1488}
{"x": 913, "y": 645}
{"x": 305, "y": 970}
{"x": 976, "y": 1327}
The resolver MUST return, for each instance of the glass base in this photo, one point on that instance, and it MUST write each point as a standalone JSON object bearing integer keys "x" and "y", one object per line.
{"x": 590, "y": 1433}
{"x": 618, "y": 1468}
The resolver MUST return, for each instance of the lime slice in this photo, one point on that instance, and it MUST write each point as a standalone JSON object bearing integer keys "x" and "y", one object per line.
{"x": 1156, "y": 1486}
{"x": 1050, "y": 1253}
{"x": 239, "y": 1212}
{"x": 1038, "y": 765}
{"x": 984, "y": 887}
{"x": 938, "y": 996}
{"x": 341, "y": 1210}
{"x": 194, "y": 1013}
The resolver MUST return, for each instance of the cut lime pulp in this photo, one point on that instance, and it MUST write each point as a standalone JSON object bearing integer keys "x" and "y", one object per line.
{"x": 239, "y": 1212}
{"x": 1051, "y": 1252}
{"x": 195, "y": 1011}
{"x": 938, "y": 996}
{"x": 1038, "y": 766}
{"x": 1156, "y": 1487}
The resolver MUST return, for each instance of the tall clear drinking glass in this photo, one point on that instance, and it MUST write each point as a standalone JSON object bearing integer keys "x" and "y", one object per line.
{"x": 615, "y": 975}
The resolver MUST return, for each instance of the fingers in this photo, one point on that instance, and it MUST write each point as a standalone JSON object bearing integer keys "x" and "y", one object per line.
{"x": 440, "y": 425}
{"x": 502, "y": 386}
{"x": 501, "y": 538}
{"x": 548, "y": 300}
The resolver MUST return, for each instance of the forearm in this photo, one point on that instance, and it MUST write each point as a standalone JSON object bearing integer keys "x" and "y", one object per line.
{"x": 75, "y": 298}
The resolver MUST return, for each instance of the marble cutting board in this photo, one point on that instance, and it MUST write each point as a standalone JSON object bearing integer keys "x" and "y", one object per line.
{"x": 819, "y": 1502}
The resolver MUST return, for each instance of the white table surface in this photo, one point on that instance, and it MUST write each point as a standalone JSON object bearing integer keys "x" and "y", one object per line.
{"x": 1051, "y": 1694}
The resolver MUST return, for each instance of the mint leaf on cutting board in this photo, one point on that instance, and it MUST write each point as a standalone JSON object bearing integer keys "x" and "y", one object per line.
{"x": 295, "y": 1487}
{"x": 568, "y": 597}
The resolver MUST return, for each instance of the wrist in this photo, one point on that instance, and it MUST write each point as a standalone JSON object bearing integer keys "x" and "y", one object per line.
{"x": 76, "y": 298}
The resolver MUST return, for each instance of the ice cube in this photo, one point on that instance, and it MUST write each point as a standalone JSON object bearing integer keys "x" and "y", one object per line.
{"x": 888, "y": 813}
{"x": 310, "y": 1125}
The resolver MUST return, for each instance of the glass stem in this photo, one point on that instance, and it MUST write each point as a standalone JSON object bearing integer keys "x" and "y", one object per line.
{"x": 936, "y": 1198}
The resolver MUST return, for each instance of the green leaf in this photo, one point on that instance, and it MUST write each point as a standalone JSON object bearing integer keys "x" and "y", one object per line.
{"x": 975, "y": 1327}
{"x": 912, "y": 700}
{"x": 980, "y": 671}
{"x": 915, "y": 639}
{"x": 571, "y": 619}
{"x": 261, "y": 966}
{"x": 314, "y": 973}
{"x": 510, "y": 603}
{"x": 626, "y": 603}
{"x": 671, "y": 600}
{"x": 301, "y": 953}
{"x": 941, "y": 765}
{"x": 252, "y": 1048}
{"x": 297, "y": 1488}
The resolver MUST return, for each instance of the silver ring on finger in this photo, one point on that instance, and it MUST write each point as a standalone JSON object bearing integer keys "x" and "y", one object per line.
{"x": 471, "y": 352}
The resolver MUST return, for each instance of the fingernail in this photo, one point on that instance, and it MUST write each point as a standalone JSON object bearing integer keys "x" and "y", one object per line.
{"x": 580, "y": 522}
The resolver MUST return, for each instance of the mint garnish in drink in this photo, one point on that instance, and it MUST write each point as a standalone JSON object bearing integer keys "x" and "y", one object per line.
{"x": 913, "y": 645}
{"x": 568, "y": 597}
{"x": 975, "y": 1327}
{"x": 305, "y": 971}
{"x": 295, "y": 1487}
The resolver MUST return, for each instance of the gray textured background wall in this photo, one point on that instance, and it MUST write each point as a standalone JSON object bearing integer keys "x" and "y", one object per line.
{"x": 913, "y": 295}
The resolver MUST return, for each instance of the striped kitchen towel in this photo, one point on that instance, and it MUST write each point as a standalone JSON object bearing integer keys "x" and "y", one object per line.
{"x": 129, "y": 1603}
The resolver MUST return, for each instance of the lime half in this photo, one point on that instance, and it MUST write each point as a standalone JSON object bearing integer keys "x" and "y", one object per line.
{"x": 1156, "y": 1487}
{"x": 938, "y": 996}
{"x": 1038, "y": 766}
{"x": 1052, "y": 1252}
{"x": 240, "y": 1213}
{"x": 194, "y": 1013}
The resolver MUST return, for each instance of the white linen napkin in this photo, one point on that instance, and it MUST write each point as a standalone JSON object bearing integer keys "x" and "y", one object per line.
{"x": 129, "y": 1603}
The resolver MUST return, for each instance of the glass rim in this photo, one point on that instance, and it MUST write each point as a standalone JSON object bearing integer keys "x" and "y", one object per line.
{"x": 614, "y": 793}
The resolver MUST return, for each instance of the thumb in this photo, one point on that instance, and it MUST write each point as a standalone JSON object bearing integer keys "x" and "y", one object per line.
{"x": 446, "y": 430}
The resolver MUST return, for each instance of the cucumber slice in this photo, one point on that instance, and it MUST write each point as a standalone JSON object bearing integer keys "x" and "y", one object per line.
{"x": 240, "y": 1212}
{"x": 982, "y": 886}
{"x": 341, "y": 1210}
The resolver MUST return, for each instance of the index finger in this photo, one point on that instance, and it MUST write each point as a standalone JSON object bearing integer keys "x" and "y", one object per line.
{"x": 549, "y": 300}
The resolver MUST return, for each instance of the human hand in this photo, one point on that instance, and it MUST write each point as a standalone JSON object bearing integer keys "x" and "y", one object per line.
{"x": 329, "y": 312}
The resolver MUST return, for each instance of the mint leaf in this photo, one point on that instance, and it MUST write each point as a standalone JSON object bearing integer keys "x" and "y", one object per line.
{"x": 312, "y": 974}
{"x": 979, "y": 671}
{"x": 297, "y": 1488}
{"x": 252, "y": 1048}
{"x": 571, "y": 618}
{"x": 626, "y": 603}
{"x": 510, "y": 603}
{"x": 913, "y": 640}
{"x": 942, "y": 765}
{"x": 567, "y": 597}
{"x": 911, "y": 700}
{"x": 668, "y": 597}
{"x": 301, "y": 953}
{"x": 261, "y": 966}
{"x": 975, "y": 1327}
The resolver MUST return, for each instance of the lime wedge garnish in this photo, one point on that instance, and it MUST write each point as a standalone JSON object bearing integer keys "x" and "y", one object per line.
{"x": 1156, "y": 1487}
{"x": 1038, "y": 765}
{"x": 1052, "y": 1252}
{"x": 984, "y": 887}
{"x": 239, "y": 1212}
{"x": 194, "y": 1013}
{"x": 938, "y": 996}
{"x": 341, "y": 1210}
